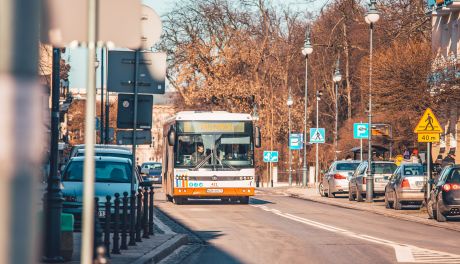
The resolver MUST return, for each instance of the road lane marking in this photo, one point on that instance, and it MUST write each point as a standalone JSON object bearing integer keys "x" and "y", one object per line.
{"x": 404, "y": 253}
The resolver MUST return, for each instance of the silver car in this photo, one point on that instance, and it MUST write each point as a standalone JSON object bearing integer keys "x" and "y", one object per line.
{"x": 335, "y": 180}
{"x": 381, "y": 171}
{"x": 406, "y": 186}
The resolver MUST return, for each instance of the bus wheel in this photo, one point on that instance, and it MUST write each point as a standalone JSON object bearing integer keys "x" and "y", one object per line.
{"x": 244, "y": 200}
{"x": 169, "y": 198}
{"x": 178, "y": 200}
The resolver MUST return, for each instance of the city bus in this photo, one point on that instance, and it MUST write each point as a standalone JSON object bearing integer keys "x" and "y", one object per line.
{"x": 209, "y": 155}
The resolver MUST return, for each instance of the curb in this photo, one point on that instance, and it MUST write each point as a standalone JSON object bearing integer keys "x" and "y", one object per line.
{"x": 164, "y": 250}
{"x": 429, "y": 222}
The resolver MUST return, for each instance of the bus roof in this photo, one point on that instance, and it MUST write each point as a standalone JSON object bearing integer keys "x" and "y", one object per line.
{"x": 212, "y": 116}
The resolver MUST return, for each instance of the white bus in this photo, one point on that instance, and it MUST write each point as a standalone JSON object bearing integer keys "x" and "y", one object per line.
{"x": 209, "y": 155}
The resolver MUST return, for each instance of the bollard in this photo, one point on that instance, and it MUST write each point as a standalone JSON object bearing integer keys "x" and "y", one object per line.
{"x": 152, "y": 192}
{"x": 116, "y": 225}
{"x": 108, "y": 206}
{"x": 139, "y": 216}
{"x": 124, "y": 222}
{"x": 145, "y": 215}
{"x": 97, "y": 228}
{"x": 132, "y": 219}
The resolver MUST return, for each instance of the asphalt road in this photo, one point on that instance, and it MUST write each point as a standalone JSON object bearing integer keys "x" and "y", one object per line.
{"x": 280, "y": 229}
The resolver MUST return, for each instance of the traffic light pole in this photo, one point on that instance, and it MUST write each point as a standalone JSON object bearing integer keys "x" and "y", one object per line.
{"x": 136, "y": 71}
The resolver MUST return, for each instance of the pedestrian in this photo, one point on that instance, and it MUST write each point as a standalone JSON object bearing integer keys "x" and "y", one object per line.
{"x": 448, "y": 160}
{"x": 406, "y": 154}
{"x": 414, "y": 157}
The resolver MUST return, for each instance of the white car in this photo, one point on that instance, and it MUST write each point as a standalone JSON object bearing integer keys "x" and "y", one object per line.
{"x": 146, "y": 166}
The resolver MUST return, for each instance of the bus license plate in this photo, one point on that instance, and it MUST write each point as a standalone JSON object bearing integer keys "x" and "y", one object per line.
{"x": 215, "y": 190}
{"x": 101, "y": 213}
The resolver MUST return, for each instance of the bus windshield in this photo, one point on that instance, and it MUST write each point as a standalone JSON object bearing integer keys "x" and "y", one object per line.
{"x": 211, "y": 149}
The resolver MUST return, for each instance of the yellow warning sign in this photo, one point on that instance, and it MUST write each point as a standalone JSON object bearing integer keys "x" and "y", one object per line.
{"x": 428, "y": 137}
{"x": 428, "y": 123}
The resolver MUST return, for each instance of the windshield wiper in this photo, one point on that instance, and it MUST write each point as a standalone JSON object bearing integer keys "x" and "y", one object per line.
{"x": 201, "y": 164}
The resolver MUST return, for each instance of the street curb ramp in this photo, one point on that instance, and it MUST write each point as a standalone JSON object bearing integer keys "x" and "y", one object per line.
{"x": 164, "y": 250}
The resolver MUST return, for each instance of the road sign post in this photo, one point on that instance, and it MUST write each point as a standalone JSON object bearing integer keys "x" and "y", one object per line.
{"x": 428, "y": 130}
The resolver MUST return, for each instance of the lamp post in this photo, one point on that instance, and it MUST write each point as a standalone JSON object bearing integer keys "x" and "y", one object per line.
{"x": 289, "y": 103}
{"x": 372, "y": 16}
{"x": 318, "y": 98}
{"x": 307, "y": 50}
{"x": 337, "y": 77}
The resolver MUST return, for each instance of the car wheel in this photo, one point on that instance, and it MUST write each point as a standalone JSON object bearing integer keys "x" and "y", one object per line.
{"x": 178, "y": 200}
{"x": 321, "y": 189}
{"x": 244, "y": 200}
{"x": 397, "y": 204}
{"x": 429, "y": 209}
{"x": 388, "y": 205}
{"x": 169, "y": 197}
{"x": 439, "y": 216}
{"x": 359, "y": 196}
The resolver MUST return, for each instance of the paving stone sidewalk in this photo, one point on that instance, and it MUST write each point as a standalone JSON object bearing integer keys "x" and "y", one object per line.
{"x": 378, "y": 207}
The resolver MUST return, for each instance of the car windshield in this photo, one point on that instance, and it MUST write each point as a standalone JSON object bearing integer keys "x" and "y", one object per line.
{"x": 454, "y": 176}
{"x": 383, "y": 168}
{"x": 413, "y": 171}
{"x": 346, "y": 166}
{"x": 106, "y": 171}
{"x": 209, "y": 150}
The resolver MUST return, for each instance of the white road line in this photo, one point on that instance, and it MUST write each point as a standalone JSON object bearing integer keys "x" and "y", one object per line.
{"x": 404, "y": 253}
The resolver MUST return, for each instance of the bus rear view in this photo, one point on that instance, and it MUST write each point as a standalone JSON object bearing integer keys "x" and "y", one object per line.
{"x": 210, "y": 155}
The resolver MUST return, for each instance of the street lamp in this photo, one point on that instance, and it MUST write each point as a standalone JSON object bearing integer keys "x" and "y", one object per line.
{"x": 372, "y": 16}
{"x": 307, "y": 50}
{"x": 318, "y": 98}
{"x": 337, "y": 77}
{"x": 289, "y": 103}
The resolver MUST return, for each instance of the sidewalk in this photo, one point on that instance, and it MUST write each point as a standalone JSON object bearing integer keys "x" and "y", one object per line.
{"x": 378, "y": 207}
{"x": 150, "y": 250}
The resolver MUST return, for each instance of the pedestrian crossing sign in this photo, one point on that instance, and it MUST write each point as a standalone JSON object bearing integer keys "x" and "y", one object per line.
{"x": 428, "y": 123}
{"x": 317, "y": 135}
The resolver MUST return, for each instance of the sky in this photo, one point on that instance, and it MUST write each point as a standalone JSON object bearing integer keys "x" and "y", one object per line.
{"x": 77, "y": 57}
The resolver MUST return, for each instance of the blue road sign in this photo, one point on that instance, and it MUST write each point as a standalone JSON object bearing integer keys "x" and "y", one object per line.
{"x": 317, "y": 135}
{"x": 296, "y": 141}
{"x": 270, "y": 156}
{"x": 360, "y": 130}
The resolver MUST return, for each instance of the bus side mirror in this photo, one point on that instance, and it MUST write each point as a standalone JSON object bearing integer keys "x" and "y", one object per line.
{"x": 171, "y": 136}
{"x": 258, "y": 141}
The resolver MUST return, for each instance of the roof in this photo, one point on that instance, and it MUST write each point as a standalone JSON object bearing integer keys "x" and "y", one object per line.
{"x": 104, "y": 158}
{"x": 374, "y": 147}
{"x": 212, "y": 116}
{"x": 108, "y": 150}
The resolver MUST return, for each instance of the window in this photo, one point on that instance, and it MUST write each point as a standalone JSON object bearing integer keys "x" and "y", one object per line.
{"x": 454, "y": 176}
{"x": 383, "y": 168}
{"x": 115, "y": 172}
{"x": 347, "y": 166}
{"x": 413, "y": 171}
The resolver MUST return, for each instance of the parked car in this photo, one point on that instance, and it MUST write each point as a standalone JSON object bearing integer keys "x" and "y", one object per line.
{"x": 146, "y": 166}
{"x": 113, "y": 175}
{"x": 381, "y": 171}
{"x": 445, "y": 195}
{"x": 76, "y": 148}
{"x": 335, "y": 179}
{"x": 406, "y": 186}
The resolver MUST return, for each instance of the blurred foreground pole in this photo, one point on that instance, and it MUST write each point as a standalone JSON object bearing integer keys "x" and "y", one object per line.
{"x": 21, "y": 135}
{"x": 87, "y": 239}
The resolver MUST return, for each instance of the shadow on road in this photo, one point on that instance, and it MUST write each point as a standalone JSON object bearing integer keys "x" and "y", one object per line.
{"x": 259, "y": 201}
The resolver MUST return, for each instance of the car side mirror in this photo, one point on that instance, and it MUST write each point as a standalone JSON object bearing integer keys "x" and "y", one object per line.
{"x": 431, "y": 181}
{"x": 171, "y": 136}
{"x": 257, "y": 138}
{"x": 322, "y": 171}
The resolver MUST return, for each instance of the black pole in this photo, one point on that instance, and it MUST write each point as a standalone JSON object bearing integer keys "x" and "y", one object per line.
{"x": 151, "y": 227}
{"x": 145, "y": 215}
{"x": 108, "y": 206}
{"x": 136, "y": 70}
{"x": 107, "y": 113}
{"x": 97, "y": 228}
{"x": 102, "y": 97}
{"x": 132, "y": 219}
{"x": 139, "y": 216}
{"x": 53, "y": 196}
{"x": 124, "y": 222}
{"x": 116, "y": 225}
